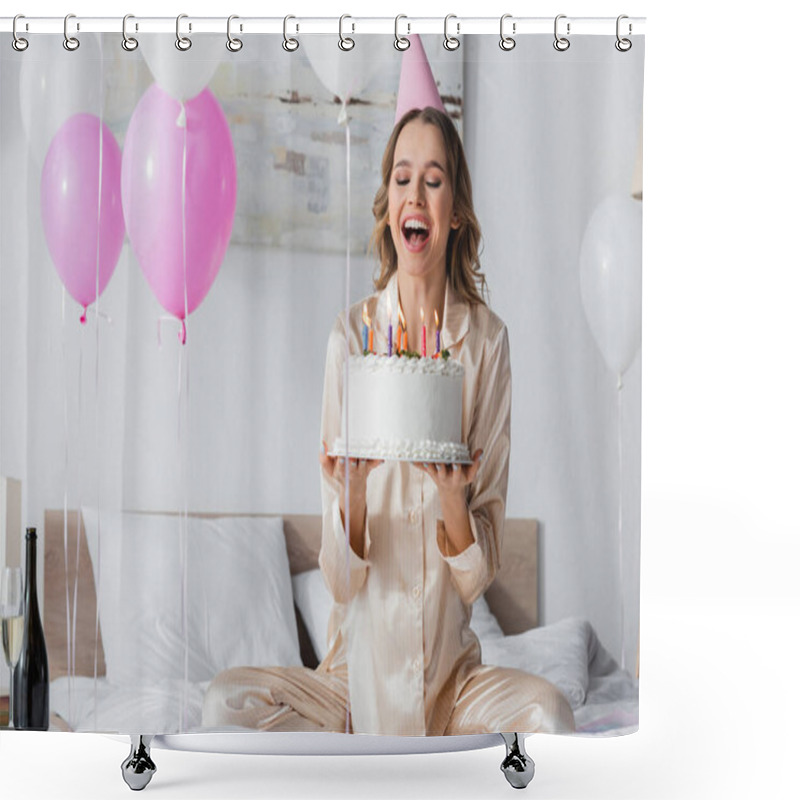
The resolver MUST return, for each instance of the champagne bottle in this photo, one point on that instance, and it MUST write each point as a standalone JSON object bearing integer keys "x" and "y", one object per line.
{"x": 31, "y": 678}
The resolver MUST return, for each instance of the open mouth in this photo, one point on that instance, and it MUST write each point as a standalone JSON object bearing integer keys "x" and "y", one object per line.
{"x": 415, "y": 232}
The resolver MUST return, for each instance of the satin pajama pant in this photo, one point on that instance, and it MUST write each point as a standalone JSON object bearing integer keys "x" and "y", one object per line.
{"x": 491, "y": 700}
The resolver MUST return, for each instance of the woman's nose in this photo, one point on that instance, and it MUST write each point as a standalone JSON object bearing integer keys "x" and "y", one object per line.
{"x": 416, "y": 195}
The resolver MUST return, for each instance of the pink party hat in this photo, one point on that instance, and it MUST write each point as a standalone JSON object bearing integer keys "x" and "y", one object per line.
{"x": 417, "y": 87}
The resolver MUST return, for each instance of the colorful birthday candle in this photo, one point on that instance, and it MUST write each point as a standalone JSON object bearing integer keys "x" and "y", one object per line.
{"x": 438, "y": 336}
{"x": 405, "y": 333}
{"x": 389, "y": 337}
{"x": 424, "y": 333}
{"x": 367, "y": 332}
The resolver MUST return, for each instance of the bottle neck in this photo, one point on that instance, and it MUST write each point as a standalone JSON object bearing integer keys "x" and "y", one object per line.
{"x": 31, "y": 600}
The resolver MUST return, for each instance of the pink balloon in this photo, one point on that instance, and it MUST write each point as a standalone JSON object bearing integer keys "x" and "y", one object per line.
{"x": 84, "y": 237}
{"x": 162, "y": 215}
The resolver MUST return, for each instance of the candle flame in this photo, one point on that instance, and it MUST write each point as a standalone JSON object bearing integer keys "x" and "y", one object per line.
{"x": 402, "y": 318}
{"x": 389, "y": 306}
{"x": 422, "y": 315}
{"x": 365, "y": 317}
{"x": 436, "y": 317}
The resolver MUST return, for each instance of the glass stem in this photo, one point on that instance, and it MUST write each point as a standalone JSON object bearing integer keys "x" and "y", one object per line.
{"x": 11, "y": 698}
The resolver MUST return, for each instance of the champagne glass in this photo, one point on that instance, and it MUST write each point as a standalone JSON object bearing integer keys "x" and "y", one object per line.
{"x": 11, "y": 621}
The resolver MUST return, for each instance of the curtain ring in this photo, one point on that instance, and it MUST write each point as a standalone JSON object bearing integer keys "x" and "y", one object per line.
{"x": 289, "y": 44}
{"x": 507, "y": 42}
{"x": 623, "y": 45}
{"x": 233, "y": 44}
{"x": 345, "y": 42}
{"x": 451, "y": 42}
{"x": 561, "y": 43}
{"x": 70, "y": 42}
{"x": 400, "y": 42}
{"x": 183, "y": 43}
{"x": 128, "y": 42}
{"x": 18, "y": 42}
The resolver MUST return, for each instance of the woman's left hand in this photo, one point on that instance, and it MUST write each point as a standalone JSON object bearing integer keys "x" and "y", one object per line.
{"x": 452, "y": 478}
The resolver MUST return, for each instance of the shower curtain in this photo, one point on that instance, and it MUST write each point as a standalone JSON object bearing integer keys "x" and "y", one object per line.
{"x": 188, "y": 262}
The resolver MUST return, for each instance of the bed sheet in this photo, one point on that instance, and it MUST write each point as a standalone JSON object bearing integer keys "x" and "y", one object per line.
{"x": 102, "y": 707}
{"x": 611, "y": 705}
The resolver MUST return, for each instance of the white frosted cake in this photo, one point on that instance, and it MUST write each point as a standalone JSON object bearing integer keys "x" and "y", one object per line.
{"x": 404, "y": 408}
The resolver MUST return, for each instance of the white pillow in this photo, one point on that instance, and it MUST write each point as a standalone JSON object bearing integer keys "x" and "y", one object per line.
{"x": 239, "y": 611}
{"x": 314, "y": 601}
{"x": 315, "y": 604}
{"x": 558, "y": 652}
{"x": 483, "y": 622}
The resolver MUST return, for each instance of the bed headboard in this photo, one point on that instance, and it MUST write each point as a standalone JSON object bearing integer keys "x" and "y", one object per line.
{"x": 512, "y": 597}
{"x": 56, "y": 585}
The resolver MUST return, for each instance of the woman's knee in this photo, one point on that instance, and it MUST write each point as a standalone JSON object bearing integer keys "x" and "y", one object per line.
{"x": 540, "y": 705}
{"x": 217, "y": 706}
{"x": 557, "y": 716}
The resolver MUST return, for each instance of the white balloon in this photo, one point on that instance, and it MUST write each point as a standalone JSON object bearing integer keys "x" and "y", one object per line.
{"x": 55, "y": 84}
{"x": 182, "y": 73}
{"x": 611, "y": 279}
{"x": 345, "y": 73}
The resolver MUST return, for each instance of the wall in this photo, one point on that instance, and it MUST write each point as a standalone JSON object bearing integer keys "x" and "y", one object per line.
{"x": 548, "y": 138}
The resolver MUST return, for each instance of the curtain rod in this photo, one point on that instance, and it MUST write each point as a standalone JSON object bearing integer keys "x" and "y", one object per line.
{"x": 602, "y": 26}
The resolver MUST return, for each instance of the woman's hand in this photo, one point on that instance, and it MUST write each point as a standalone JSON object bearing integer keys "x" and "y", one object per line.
{"x": 452, "y": 479}
{"x": 360, "y": 468}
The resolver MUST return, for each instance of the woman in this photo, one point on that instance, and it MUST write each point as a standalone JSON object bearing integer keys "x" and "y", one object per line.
{"x": 424, "y": 541}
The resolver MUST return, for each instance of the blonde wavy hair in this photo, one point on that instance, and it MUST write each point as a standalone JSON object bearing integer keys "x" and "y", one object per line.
{"x": 462, "y": 258}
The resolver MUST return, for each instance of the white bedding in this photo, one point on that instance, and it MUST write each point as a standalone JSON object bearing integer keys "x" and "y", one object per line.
{"x": 609, "y": 707}
{"x": 103, "y": 707}
{"x": 143, "y": 692}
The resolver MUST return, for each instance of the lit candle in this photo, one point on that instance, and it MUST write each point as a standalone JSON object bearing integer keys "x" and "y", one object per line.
{"x": 389, "y": 337}
{"x": 405, "y": 333}
{"x": 438, "y": 337}
{"x": 364, "y": 319}
{"x": 424, "y": 333}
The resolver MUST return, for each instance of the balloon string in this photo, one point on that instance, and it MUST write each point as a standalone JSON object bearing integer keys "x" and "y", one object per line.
{"x": 182, "y": 412}
{"x": 96, "y": 416}
{"x": 65, "y": 516}
{"x": 98, "y": 546}
{"x": 183, "y": 225}
{"x": 619, "y": 522}
{"x": 183, "y": 524}
{"x": 181, "y": 329}
{"x": 73, "y": 620}
{"x": 344, "y": 118}
{"x": 99, "y": 315}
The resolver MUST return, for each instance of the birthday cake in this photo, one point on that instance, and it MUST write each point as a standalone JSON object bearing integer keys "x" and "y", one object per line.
{"x": 404, "y": 408}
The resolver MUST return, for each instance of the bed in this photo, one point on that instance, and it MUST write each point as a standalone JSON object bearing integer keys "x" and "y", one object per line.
{"x": 104, "y": 692}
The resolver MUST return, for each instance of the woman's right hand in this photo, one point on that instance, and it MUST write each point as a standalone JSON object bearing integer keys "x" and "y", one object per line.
{"x": 360, "y": 468}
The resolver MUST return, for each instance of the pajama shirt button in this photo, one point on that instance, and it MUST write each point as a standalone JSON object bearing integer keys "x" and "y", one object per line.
{"x": 416, "y": 591}
{"x": 412, "y": 516}
{"x": 416, "y": 665}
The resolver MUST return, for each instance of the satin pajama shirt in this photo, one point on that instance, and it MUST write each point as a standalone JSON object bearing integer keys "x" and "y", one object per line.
{"x": 403, "y": 659}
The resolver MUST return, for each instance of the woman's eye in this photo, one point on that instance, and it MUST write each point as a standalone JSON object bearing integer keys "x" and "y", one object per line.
{"x": 406, "y": 181}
